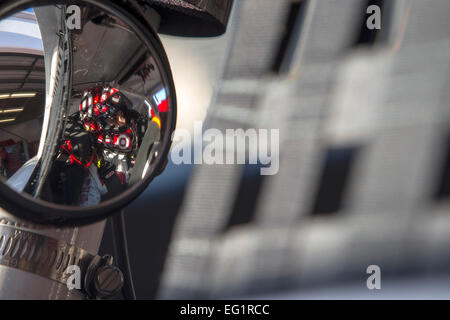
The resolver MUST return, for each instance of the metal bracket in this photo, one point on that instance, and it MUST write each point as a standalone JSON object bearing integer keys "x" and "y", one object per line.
{"x": 31, "y": 252}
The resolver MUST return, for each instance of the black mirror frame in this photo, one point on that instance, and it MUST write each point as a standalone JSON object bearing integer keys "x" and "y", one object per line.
{"x": 44, "y": 213}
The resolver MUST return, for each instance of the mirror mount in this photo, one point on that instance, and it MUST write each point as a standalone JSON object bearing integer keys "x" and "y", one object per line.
{"x": 192, "y": 18}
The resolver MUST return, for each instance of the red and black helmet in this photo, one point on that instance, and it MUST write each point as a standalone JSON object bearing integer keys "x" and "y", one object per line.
{"x": 101, "y": 102}
{"x": 101, "y": 105}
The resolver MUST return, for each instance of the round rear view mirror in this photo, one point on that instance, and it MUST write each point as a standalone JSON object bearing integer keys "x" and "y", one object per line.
{"x": 87, "y": 109}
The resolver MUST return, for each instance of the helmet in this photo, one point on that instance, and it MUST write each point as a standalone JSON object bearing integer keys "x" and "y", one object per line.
{"x": 107, "y": 114}
{"x": 101, "y": 102}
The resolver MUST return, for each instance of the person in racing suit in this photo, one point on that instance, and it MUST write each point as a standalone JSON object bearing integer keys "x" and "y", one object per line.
{"x": 100, "y": 146}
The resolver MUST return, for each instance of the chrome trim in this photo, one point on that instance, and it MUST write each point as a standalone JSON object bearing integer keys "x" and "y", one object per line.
{"x": 31, "y": 252}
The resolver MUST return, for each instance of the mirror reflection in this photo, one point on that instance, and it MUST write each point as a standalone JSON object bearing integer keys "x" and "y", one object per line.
{"x": 83, "y": 105}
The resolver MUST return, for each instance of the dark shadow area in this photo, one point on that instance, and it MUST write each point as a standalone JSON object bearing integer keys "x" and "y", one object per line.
{"x": 289, "y": 39}
{"x": 337, "y": 167}
{"x": 247, "y": 196}
{"x": 149, "y": 221}
{"x": 443, "y": 188}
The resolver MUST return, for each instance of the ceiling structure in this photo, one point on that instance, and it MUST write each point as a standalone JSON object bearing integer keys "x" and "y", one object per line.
{"x": 22, "y": 71}
{"x": 22, "y": 85}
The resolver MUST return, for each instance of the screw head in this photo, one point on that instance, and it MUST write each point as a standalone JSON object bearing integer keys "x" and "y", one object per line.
{"x": 108, "y": 281}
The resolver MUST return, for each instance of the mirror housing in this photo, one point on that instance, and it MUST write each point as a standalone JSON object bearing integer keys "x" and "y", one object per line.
{"x": 193, "y": 18}
{"x": 28, "y": 205}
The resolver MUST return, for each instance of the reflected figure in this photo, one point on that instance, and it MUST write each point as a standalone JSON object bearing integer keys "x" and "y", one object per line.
{"x": 99, "y": 148}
